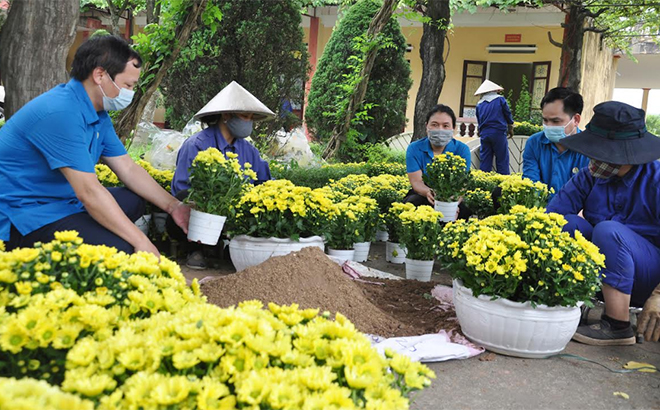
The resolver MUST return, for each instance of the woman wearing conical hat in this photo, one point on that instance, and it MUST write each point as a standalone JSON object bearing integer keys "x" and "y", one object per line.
{"x": 495, "y": 122}
{"x": 228, "y": 119}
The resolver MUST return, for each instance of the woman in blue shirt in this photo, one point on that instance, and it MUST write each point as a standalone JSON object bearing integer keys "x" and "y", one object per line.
{"x": 229, "y": 118}
{"x": 619, "y": 196}
{"x": 440, "y": 125}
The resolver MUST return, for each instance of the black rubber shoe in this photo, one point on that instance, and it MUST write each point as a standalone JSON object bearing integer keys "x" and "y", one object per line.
{"x": 602, "y": 334}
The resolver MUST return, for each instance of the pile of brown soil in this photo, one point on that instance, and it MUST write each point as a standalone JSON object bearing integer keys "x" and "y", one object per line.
{"x": 311, "y": 280}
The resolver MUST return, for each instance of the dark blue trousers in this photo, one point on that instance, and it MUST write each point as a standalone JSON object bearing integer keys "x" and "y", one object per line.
{"x": 494, "y": 143}
{"x": 632, "y": 263}
{"x": 91, "y": 231}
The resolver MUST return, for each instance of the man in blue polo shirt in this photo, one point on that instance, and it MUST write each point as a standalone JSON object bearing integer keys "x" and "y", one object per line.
{"x": 619, "y": 196}
{"x": 545, "y": 159}
{"x": 440, "y": 125}
{"x": 49, "y": 148}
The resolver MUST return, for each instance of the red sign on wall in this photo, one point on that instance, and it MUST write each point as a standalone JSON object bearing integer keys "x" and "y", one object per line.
{"x": 512, "y": 38}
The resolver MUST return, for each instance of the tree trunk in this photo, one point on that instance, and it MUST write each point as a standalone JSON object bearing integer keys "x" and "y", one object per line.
{"x": 115, "y": 14}
{"x": 153, "y": 11}
{"x": 130, "y": 117}
{"x": 431, "y": 51}
{"x": 570, "y": 71}
{"x": 375, "y": 27}
{"x": 34, "y": 44}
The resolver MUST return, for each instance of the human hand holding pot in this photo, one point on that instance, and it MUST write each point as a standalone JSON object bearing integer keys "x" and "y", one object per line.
{"x": 649, "y": 320}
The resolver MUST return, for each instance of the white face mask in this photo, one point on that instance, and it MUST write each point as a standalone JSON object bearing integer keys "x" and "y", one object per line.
{"x": 440, "y": 138}
{"x": 119, "y": 102}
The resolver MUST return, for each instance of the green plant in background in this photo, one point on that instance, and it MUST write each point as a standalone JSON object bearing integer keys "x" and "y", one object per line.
{"x": 2, "y": 122}
{"x": 259, "y": 44}
{"x": 523, "y": 109}
{"x": 653, "y": 124}
{"x": 389, "y": 80}
{"x": 526, "y": 128}
{"x": 536, "y": 118}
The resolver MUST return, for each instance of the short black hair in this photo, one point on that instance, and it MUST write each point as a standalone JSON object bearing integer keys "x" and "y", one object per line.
{"x": 573, "y": 102}
{"x": 110, "y": 52}
{"x": 442, "y": 108}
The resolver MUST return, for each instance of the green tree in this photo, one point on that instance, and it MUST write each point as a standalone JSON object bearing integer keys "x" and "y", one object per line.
{"x": 523, "y": 109}
{"x": 653, "y": 124}
{"x": 387, "y": 88}
{"x": 259, "y": 44}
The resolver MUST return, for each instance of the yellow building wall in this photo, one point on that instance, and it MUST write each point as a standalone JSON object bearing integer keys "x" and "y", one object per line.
{"x": 469, "y": 43}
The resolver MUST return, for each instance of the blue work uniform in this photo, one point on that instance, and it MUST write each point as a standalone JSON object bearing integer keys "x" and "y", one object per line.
{"x": 622, "y": 218}
{"x": 420, "y": 153}
{"x": 58, "y": 129}
{"x": 211, "y": 137}
{"x": 493, "y": 118}
{"x": 542, "y": 162}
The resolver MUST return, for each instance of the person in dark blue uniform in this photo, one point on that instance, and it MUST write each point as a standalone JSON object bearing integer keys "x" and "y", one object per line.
{"x": 495, "y": 121}
{"x": 620, "y": 200}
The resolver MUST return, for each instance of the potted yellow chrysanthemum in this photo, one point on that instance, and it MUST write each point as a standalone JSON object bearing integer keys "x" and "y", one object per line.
{"x": 447, "y": 175}
{"x": 216, "y": 185}
{"x": 517, "y": 273}
{"x": 419, "y": 234}
{"x": 394, "y": 252}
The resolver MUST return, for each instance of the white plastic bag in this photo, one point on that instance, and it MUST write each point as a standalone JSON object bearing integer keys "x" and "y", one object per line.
{"x": 164, "y": 149}
{"x": 294, "y": 146}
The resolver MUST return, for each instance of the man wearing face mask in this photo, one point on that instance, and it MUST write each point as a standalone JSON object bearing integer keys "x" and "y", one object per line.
{"x": 49, "y": 148}
{"x": 440, "y": 125}
{"x": 545, "y": 159}
{"x": 618, "y": 193}
{"x": 229, "y": 119}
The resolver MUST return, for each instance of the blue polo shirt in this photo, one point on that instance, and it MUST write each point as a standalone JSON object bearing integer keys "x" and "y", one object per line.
{"x": 211, "y": 137}
{"x": 543, "y": 162}
{"x": 58, "y": 129}
{"x": 420, "y": 154}
{"x": 633, "y": 200}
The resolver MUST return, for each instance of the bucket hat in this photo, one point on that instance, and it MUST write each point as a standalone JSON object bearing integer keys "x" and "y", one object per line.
{"x": 486, "y": 87}
{"x": 617, "y": 135}
{"x": 235, "y": 98}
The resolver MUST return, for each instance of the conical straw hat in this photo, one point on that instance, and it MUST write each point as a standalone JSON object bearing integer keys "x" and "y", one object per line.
{"x": 234, "y": 98}
{"x": 487, "y": 86}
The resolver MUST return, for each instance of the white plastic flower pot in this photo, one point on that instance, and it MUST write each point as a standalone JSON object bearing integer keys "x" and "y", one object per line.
{"x": 419, "y": 270}
{"x": 448, "y": 209}
{"x": 143, "y": 223}
{"x": 246, "y": 251}
{"x": 394, "y": 253}
{"x": 159, "y": 219}
{"x": 513, "y": 328}
{"x": 361, "y": 251}
{"x": 205, "y": 228}
{"x": 343, "y": 254}
{"x": 382, "y": 236}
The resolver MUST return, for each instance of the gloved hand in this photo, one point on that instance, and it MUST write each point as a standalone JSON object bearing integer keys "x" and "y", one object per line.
{"x": 509, "y": 130}
{"x": 648, "y": 322}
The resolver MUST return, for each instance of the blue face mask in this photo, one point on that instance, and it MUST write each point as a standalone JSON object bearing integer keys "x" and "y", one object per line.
{"x": 555, "y": 133}
{"x": 239, "y": 128}
{"x": 120, "y": 102}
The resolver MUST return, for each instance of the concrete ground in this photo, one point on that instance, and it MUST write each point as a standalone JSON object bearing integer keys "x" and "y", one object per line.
{"x": 492, "y": 381}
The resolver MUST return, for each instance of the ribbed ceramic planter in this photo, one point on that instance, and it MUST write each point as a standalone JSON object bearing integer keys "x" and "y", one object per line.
{"x": 513, "y": 328}
{"x": 361, "y": 251}
{"x": 343, "y": 254}
{"x": 205, "y": 228}
{"x": 419, "y": 270}
{"x": 246, "y": 251}
{"x": 448, "y": 209}
{"x": 143, "y": 223}
{"x": 394, "y": 253}
{"x": 382, "y": 236}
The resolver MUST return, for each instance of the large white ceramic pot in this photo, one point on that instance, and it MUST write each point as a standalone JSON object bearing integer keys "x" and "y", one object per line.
{"x": 342, "y": 254}
{"x": 205, "y": 228}
{"x": 448, "y": 209}
{"x": 394, "y": 253}
{"x": 419, "y": 270}
{"x": 246, "y": 251}
{"x": 513, "y": 328}
{"x": 361, "y": 251}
